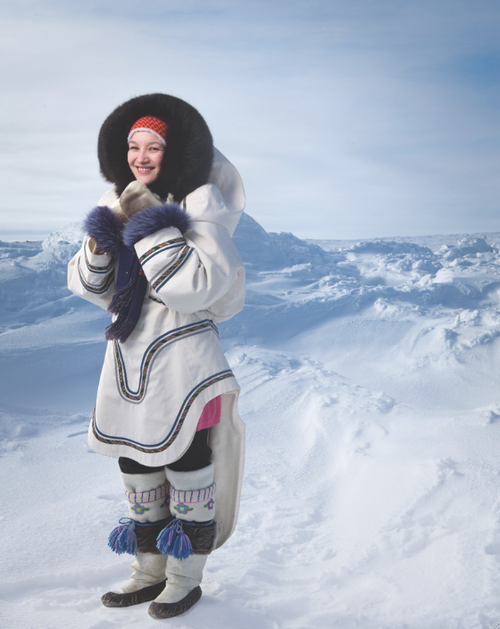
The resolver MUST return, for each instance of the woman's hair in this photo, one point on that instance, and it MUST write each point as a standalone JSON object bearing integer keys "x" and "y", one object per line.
{"x": 188, "y": 156}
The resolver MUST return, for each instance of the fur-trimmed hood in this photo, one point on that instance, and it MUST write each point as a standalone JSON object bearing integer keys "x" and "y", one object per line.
{"x": 188, "y": 157}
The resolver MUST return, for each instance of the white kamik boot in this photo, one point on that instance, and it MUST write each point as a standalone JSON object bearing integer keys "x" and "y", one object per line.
{"x": 187, "y": 541}
{"x": 148, "y": 510}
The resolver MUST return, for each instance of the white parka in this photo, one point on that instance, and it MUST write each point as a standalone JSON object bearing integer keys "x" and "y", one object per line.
{"x": 154, "y": 386}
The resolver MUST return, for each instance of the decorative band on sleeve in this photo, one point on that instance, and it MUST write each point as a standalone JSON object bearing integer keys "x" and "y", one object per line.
{"x": 97, "y": 289}
{"x": 175, "y": 243}
{"x": 97, "y": 269}
{"x": 172, "y": 270}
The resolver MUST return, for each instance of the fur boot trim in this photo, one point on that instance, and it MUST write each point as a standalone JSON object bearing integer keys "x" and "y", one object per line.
{"x": 181, "y": 539}
{"x": 147, "y": 536}
{"x": 131, "y": 536}
{"x": 187, "y": 160}
{"x": 152, "y": 219}
{"x": 105, "y": 228}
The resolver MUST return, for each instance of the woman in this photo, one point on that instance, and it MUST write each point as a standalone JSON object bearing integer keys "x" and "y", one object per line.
{"x": 158, "y": 254}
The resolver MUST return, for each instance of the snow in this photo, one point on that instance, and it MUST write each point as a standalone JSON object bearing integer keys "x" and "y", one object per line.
{"x": 369, "y": 376}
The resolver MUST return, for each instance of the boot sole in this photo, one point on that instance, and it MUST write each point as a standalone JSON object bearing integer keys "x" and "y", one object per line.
{"x": 114, "y": 599}
{"x": 169, "y": 610}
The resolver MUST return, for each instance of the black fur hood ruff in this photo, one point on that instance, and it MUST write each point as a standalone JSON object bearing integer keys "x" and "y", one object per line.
{"x": 188, "y": 156}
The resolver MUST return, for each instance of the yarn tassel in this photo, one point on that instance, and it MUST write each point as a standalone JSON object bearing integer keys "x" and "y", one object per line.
{"x": 120, "y": 329}
{"x": 123, "y": 539}
{"x": 122, "y": 297}
{"x": 174, "y": 542}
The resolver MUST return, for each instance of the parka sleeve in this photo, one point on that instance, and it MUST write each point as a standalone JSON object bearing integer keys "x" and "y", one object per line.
{"x": 92, "y": 276}
{"x": 194, "y": 271}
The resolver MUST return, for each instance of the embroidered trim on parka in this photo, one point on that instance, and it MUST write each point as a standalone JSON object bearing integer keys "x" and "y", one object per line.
{"x": 172, "y": 435}
{"x": 207, "y": 325}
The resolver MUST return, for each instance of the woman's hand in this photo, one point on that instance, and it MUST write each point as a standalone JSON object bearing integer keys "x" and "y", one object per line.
{"x": 136, "y": 197}
{"x": 94, "y": 248}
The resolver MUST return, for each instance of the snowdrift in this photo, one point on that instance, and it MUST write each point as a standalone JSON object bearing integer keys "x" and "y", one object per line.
{"x": 370, "y": 379}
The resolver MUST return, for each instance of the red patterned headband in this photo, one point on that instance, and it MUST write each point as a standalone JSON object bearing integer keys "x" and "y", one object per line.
{"x": 153, "y": 125}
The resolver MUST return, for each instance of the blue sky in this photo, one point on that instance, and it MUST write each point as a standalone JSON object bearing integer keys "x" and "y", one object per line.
{"x": 350, "y": 119}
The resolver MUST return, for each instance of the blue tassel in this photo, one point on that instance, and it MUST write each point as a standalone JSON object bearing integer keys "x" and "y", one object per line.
{"x": 174, "y": 542}
{"x": 122, "y": 539}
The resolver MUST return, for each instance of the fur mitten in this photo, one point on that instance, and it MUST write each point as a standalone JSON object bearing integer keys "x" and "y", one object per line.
{"x": 136, "y": 197}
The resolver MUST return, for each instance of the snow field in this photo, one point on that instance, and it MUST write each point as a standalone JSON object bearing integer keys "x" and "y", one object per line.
{"x": 369, "y": 375}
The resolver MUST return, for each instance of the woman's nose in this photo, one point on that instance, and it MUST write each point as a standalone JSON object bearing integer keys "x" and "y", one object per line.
{"x": 143, "y": 156}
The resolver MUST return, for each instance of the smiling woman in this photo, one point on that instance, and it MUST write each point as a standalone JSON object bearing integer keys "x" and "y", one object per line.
{"x": 158, "y": 254}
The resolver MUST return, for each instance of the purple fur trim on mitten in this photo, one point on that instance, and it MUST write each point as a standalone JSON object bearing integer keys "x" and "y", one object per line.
{"x": 152, "y": 219}
{"x": 105, "y": 228}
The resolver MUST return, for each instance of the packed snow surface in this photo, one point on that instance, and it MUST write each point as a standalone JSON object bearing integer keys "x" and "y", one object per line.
{"x": 369, "y": 375}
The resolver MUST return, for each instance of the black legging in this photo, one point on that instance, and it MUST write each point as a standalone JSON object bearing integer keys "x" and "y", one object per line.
{"x": 196, "y": 457}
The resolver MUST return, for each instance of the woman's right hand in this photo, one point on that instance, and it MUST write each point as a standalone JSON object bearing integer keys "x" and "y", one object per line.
{"x": 136, "y": 197}
{"x": 94, "y": 248}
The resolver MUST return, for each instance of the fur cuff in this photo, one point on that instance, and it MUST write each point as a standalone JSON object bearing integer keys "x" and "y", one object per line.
{"x": 181, "y": 539}
{"x": 105, "y": 228}
{"x": 152, "y": 219}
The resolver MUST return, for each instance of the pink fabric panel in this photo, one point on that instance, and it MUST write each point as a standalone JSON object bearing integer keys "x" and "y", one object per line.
{"x": 210, "y": 414}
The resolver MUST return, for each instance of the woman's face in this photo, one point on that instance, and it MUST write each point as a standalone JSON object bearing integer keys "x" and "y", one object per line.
{"x": 145, "y": 153}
